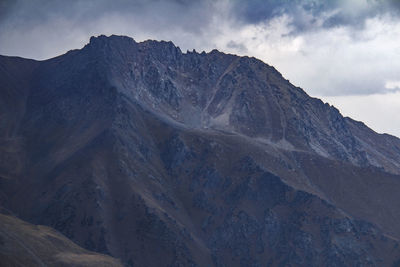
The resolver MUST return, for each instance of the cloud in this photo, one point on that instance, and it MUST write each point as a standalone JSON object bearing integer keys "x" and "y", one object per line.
{"x": 392, "y": 85}
{"x": 308, "y": 15}
{"x": 237, "y": 46}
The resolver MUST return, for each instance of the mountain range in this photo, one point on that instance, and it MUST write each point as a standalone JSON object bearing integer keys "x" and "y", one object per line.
{"x": 156, "y": 157}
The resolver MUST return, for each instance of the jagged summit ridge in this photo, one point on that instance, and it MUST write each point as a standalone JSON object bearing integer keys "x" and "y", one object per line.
{"x": 237, "y": 94}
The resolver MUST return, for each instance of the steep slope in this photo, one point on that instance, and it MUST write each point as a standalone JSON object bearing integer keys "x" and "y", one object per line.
{"x": 137, "y": 149}
{"x": 15, "y": 77}
{"x": 23, "y": 244}
{"x": 236, "y": 94}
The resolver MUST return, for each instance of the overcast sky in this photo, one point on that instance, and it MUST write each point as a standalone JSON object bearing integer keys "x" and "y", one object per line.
{"x": 346, "y": 52}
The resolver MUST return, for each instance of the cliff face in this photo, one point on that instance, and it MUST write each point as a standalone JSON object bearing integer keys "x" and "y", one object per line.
{"x": 164, "y": 158}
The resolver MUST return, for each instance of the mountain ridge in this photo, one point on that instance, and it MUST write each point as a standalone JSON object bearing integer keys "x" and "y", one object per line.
{"x": 214, "y": 114}
{"x": 204, "y": 159}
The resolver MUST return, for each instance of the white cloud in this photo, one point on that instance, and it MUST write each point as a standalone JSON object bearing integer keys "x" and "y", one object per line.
{"x": 392, "y": 85}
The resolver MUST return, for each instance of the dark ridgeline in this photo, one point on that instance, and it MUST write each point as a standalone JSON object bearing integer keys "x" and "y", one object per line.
{"x": 164, "y": 158}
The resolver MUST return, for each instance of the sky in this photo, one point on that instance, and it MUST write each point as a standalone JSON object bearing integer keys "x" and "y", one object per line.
{"x": 346, "y": 52}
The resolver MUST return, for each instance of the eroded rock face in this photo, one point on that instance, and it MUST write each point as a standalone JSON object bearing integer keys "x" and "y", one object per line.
{"x": 238, "y": 94}
{"x": 137, "y": 149}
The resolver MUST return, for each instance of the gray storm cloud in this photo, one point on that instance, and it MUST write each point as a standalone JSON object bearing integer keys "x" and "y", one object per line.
{"x": 307, "y": 14}
{"x": 330, "y": 48}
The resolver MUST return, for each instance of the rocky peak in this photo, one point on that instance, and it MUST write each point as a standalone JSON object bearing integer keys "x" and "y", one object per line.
{"x": 213, "y": 90}
{"x": 102, "y": 40}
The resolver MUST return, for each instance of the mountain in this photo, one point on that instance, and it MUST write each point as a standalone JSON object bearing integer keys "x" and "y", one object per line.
{"x": 163, "y": 158}
{"x": 23, "y": 244}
